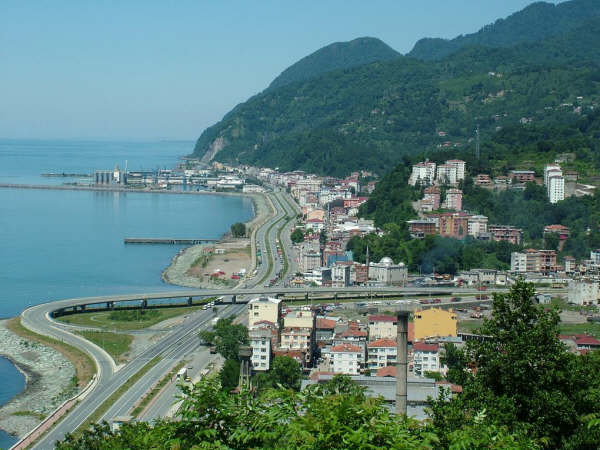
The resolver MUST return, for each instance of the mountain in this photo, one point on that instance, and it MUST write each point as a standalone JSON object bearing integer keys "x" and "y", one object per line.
{"x": 536, "y": 22}
{"x": 369, "y": 116}
{"x": 339, "y": 55}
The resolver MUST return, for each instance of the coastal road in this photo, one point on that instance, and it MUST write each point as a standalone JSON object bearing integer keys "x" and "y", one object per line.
{"x": 171, "y": 349}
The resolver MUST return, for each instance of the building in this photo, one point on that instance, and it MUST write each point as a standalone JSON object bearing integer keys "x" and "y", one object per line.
{"x": 321, "y": 276}
{"x": 533, "y": 261}
{"x": 477, "y": 225}
{"x": 387, "y": 273}
{"x": 595, "y": 257}
{"x": 435, "y": 322}
{"x": 382, "y": 327}
{"x": 303, "y": 319}
{"x": 264, "y": 308}
{"x": 556, "y": 188}
{"x": 454, "y": 225}
{"x": 446, "y": 174}
{"x": 460, "y": 168}
{"x": 418, "y": 229}
{"x": 483, "y": 179}
{"x": 422, "y": 173}
{"x": 309, "y": 259}
{"x": 325, "y": 329}
{"x": 570, "y": 264}
{"x": 561, "y": 231}
{"x": 261, "y": 339}
{"x": 453, "y": 200}
{"x": 347, "y": 359}
{"x": 522, "y": 176}
{"x": 340, "y": 275}
{"x": 518, "y": 262}
{"x": 506, "y": 233}
{"x": 551, "y": 170}
{"x": 426, "y": 358}
{"x": 584, "y": 292}
{"x": 381, "y": 353}
{"x": 111, "y": 177}
{"x": 432, "y": 195}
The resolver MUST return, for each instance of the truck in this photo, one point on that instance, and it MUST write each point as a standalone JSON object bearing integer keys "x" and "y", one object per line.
{"x": 182, "y": 374}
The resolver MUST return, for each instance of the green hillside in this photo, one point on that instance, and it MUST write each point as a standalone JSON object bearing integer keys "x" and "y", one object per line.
{"x": 339, "y": 55}
{"x": 368, "y": 117}
{"x": 538, "y": 21}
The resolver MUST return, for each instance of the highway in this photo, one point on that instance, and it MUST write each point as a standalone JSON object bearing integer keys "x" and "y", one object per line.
{"x": 182, "y": 341}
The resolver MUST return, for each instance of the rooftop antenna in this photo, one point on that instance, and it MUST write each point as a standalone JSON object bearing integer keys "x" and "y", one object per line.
{"x": 477, "y": 152}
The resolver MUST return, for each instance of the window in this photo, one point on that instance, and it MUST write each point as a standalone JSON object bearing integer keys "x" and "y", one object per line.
{"x": 263, "y": 357}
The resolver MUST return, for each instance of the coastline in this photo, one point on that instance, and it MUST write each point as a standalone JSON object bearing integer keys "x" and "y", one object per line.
{"x": 48, "y": 374}
{"x": 177, "y": 272}
{"x": 48, "y": 382}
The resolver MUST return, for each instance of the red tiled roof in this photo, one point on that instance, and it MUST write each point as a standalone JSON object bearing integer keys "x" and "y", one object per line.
{"x": 587, "y": 340}
{"x": 316, "y": 375}
{"x": 326, "y": 324}
{"x": 346, "y": 348}
{"x": 382, "y": 318}
{"x": 454, "y": 388}
{"x": 354, "y": 332}
{"x": 387, "y": 371}
{"x": 423, "y": 347}
{"x": 383, "y": 343}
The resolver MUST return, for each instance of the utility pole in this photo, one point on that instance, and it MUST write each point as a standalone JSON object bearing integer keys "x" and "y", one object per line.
{"x": 477, "y": 152}
{"x": 402, "y": 362}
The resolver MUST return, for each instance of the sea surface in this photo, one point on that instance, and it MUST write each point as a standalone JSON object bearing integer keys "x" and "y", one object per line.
{"x": 64, "y": 244}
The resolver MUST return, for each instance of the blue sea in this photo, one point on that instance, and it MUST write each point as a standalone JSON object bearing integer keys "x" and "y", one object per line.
{"x": 62, "y": 244}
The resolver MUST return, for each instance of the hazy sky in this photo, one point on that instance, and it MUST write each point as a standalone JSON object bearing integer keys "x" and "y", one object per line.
{"x": 168, "y": 69}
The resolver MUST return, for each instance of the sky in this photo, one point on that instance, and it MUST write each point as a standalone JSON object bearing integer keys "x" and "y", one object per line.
{"x": 145, "y": 70}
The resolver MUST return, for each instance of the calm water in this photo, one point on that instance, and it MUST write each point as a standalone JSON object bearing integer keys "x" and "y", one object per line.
{"x": 12, "y": 383}
{"x": 61, "y": 244}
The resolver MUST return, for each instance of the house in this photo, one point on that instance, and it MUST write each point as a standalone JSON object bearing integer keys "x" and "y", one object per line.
{"x": 325, "y": 329}
{"x": 426, "y": 358}
{"x": 381, "y": 353}
{"x": 382, "y": 327}
{"x": 347, "y": 359}
{"x": 506, "y": 233}
{"x": 435, "y": 322}
{"x": 261, "y": 338}
{"x": 264, "y": 308}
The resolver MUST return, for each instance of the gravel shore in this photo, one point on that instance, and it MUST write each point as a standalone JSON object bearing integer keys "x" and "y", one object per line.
{"x": 49, "y": 382}
{"x": 177, "y": 272}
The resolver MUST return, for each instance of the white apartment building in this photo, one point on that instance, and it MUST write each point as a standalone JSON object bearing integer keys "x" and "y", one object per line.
{"x": 550, "y": 170}
{"x": 299, "y": 319}
{"x": 477, "y": 225}
{"x": 264, "y": 308}
{"x": 460, "y": 168}
{"x": 340, "y": 275}
{"x": 381, "y": 353}
{"x": 518, "y": 262}
{"x": 260, "y": 342}
{"x": 346, "y": 359}
{"x": 556, "y": 188}
{"x": 584, "y": 292}
{"x": 426, "y": 358}
{"x": 309, "y": 259}
{"x": 422, "y": 173}
{"x": 595, "y": 257}
{"x": 446, "y": 174}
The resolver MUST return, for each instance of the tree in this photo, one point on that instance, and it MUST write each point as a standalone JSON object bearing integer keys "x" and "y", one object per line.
{"x": 238, "y": 230}
{"x": 322, "y": 238}
{"x": 287, "y": 372}
{"x": 297, "y": 236}
{"x": 227, "y": 337}
{"x": 207, "y": 336}
{"x": 229, "y": 374}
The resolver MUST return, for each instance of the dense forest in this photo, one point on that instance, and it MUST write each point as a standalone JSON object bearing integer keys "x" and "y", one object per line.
{"x": 368, "y": 117}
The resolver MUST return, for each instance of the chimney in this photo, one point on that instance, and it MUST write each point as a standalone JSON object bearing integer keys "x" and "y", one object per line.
{"x": 402, "y": 362}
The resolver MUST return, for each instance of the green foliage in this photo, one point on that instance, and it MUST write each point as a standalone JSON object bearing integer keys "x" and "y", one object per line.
{"x": 229, "y": 374}
{"x": 297, "y": 236}
{"x": 337, "y": 415}
{"x": 341, "y": 55}
{"x": 227, "y": 337}
{"x": 134, "y": 315}
{"x": 285, "y": 372}
{"x": 368, "y": 117}
{"x": 238, "y": 230}
{"x": 525, "y": 381}
{"x": 536, "y": 22}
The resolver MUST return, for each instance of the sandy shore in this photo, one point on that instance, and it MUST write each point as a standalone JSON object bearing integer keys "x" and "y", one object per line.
{"x": 238, "y": 255}
{"x": 49, "y": 382}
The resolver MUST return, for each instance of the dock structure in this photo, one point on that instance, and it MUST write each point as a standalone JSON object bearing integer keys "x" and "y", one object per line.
{"x": 168, "y": 241}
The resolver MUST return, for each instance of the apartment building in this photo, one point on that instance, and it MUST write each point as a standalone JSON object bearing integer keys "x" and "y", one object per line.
{"x": 446, "y": 174}
{"x": 453, "y": 200}
{"x": 347, "y": 359}
{"x": 460, "y": 168}
{"x": 264, "y": 309}
{"x": 382, "y": 327}
{"x": 477, "y": 225}
{"x": 381, "y": 353}
{"x": 435, "y": 322}
{"x": 506, "y": 233}
{"x": 426, "y": 358}
{"x": 533, "y": 261}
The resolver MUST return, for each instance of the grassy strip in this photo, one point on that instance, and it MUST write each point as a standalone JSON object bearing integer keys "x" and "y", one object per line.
{"x": 269, "y": 253}
{"x": 37, "y": 415}
{"x": 105, "y": 406}
{"x": 286, "y": 265}
{"x": 154, "y": 392}
{"x": 83, "y": 363}
{"x": 116, "y": 345}
{"x": 593, "y": 329}
{"x": 109, "y": 319}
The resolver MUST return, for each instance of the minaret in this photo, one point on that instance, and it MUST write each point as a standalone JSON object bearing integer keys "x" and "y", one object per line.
{"x": 367, "y": 264}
